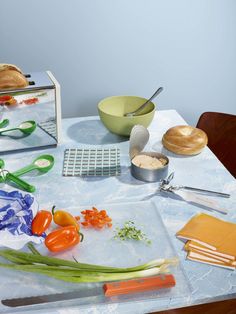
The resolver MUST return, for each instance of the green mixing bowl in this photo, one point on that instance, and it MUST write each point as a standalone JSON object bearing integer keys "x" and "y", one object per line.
{"x": 112, "y": 109}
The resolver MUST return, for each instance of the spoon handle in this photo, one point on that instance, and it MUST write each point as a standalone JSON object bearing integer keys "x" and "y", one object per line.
{"x": 24, "y": 170}
{"x": 8, "y": 130}
{"x": 21, "y": 183}
{"x": 157, "y": 92}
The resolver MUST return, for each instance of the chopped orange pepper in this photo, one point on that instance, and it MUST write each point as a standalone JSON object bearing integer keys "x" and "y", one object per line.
{"x": 30, "y": 101}
{"x": 95, "y": 218}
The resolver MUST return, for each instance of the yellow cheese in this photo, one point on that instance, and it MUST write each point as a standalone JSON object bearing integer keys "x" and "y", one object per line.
{"x": 210, "y": 232}
{"x": 196, "y": 256}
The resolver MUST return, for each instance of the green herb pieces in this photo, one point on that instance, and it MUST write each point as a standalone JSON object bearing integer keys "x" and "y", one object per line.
{"x": 129, "y": 231}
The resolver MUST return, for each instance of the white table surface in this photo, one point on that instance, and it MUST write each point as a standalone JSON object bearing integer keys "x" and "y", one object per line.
{"x": 208, "y": 283}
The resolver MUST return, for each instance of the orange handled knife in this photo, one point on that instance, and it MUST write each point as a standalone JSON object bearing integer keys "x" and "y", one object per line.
{"x": 108, "y": 289}
{"x": 138, "y": 285}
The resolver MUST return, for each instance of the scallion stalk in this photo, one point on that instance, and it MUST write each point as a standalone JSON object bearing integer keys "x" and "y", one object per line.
{"x": 81, "y": 276}
{"x": 80, "y": 272}
{"x": 53, "y": 261}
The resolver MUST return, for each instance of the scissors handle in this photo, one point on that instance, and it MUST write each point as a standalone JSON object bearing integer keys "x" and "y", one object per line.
{"x": 21, "y": 183}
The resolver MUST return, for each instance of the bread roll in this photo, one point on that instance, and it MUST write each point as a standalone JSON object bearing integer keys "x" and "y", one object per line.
{"x": 11, "y": 77}
{"x": 6, "y": 66}
{"x": 185, "y": 140}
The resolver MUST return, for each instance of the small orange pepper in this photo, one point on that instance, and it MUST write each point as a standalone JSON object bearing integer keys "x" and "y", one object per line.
{"x": 41, "y": 222}
{"x": 63, "y": 238}
{"x": 63, "y": 218}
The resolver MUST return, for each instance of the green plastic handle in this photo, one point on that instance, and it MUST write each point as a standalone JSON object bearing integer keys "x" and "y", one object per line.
{"x": 8, "y": 130}
{"x": 21, "y": 183}
{"x": 24, "y": 170}
{"x": 4, "y": 123}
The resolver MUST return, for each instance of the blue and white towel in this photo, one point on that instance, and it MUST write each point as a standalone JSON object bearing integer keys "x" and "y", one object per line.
{"x": 17, "y": 211}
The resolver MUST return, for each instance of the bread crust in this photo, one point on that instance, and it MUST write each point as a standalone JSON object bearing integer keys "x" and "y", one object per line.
{"x": 7, "y": 66}
{"x": 11, "y": 77}
{"x": 185, "y": 140}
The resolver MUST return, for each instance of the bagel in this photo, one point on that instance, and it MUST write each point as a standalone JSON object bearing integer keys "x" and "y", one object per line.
{"x": 184, "y": 140}
{"x": 11, "y": 77}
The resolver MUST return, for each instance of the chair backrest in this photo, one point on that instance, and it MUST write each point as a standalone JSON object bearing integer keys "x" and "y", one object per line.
{"x": 221, "y": 131}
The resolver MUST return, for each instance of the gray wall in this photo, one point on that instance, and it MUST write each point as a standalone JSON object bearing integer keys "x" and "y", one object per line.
{"x": 99, "y": 48}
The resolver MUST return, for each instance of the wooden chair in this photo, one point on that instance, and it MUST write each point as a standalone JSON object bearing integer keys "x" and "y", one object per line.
{"x": 221, "y": 131}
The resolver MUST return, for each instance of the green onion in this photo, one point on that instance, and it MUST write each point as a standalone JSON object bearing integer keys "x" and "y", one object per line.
{"x": 83, "y": 276}
{"x": 13, "y": 258}
{"x": 80, "y": 272}
{"x": 129, "y": 231}
{"x": 32, "y": 248}
{"x": 53, "y": 261}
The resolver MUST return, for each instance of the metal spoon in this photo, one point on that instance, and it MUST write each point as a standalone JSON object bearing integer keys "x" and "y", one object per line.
{"x": 133, "y": 113}
{"x": 7, "y": 176}
{"x": 26, "y": 127}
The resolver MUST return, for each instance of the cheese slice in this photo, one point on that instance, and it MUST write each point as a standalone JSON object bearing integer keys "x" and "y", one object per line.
{"x": 211, "y": 255}
{"x": 191, "y": 245}
{"x": 211, "y": 232}
{"x": 194, "y": 256}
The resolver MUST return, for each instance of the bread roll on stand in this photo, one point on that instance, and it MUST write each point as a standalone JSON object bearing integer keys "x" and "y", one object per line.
{"x": 13, "y": 84}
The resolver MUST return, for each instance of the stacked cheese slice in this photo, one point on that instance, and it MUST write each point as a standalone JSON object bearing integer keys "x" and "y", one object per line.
{"x": 210, "y": 240}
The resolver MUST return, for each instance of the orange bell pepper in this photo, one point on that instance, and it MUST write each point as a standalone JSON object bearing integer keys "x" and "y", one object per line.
{"x": 41, "y": 222}
{"x": 63, "y": 238}
{"x": 63, "y": 218}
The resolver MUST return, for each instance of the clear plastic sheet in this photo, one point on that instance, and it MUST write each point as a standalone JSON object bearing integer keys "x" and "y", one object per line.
{"x": 100, "y": 247}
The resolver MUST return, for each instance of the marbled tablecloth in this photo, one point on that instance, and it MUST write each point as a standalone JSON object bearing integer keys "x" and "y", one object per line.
{"x": 204, "y": 170}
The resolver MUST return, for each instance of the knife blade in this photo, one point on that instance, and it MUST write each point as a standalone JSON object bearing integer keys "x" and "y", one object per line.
{"x": 200, "y": 200}
{"x": 108, "y": 289}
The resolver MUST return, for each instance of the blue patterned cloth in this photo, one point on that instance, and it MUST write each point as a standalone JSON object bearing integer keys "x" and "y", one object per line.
{"x": 15, "y": 212}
